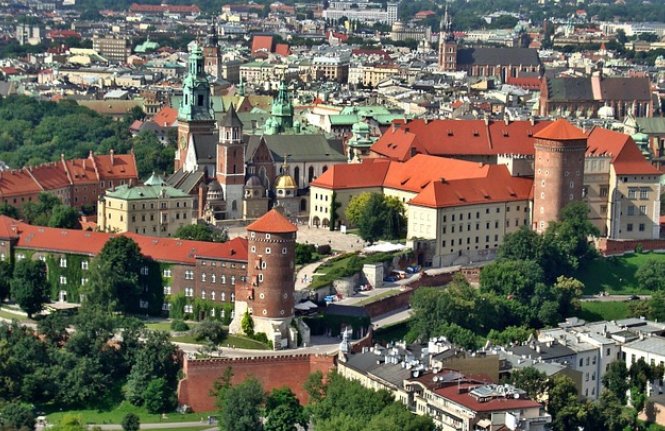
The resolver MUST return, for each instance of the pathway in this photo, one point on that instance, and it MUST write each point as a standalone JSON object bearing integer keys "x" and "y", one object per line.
{"x": 157, "y": 426}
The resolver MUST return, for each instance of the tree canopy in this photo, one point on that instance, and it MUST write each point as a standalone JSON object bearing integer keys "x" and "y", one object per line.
{"x": 201, "y": 232}
{"x": 29, "y": 286}
{"x": 377, "y": 216}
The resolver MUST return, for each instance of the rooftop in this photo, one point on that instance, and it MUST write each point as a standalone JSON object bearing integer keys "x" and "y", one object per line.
{"x": 273, "y": 222}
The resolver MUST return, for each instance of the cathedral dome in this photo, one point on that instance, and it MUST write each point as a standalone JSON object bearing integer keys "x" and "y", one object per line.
{"x": 285, "y": 182}
{"x": 253, "y": 181}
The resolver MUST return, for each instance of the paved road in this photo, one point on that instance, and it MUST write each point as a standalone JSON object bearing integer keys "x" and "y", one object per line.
{"x": 608, "y": 298}
{"x": 391, "y": 318}
{"x": 156, "y": 426}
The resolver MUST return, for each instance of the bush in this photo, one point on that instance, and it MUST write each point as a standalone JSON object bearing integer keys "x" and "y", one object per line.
{"x": 211, "y": 331}
{"x": 179, "y": 326}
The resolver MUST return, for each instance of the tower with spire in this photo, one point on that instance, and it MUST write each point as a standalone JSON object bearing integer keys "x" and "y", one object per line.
{"x": 447, "y": 44}
{"x": 282, "y": 110}
{"x": 211, "y": 53}
{"x": 231, "y": 162}
{"x": 195, "y": 113}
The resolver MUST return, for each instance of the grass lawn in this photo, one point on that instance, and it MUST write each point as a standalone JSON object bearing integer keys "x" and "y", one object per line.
{"x": 8, "y": 315}
{"x": 615, "y": 274}
{"x": 604, "y": 310}
{"x": 201, "y": 428}
{"x": 237, "y": 341}
{"x": 115, "y": 415}
{"x": 377, "y": 297}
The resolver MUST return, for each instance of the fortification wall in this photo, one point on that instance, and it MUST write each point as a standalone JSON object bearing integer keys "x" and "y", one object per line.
{"x": 272, "y": 371}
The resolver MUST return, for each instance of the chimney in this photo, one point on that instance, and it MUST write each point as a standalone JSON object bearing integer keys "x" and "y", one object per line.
{"x": 201, "y": 200}
{"x": 111, "y": 154}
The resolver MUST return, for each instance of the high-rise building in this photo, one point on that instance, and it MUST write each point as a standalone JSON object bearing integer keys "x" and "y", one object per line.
{"x": 115, "y": 49}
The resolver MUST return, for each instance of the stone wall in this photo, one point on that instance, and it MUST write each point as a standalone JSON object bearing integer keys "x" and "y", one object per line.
{"x": 272, "y": 371}
{"x": 611, "y": 247}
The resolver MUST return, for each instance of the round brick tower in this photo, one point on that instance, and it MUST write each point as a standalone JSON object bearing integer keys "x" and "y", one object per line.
{"x": 270, "y": 277}
{"x": 558, "y": 171}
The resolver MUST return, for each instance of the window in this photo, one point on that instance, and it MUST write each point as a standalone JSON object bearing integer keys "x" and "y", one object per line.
{"x": 604, "y": 191}
{"x": 643, "y": 209}
{"x": 84, "y": 265}
{"x": 213, "y": 278}
{"x": 84, "y": 281}
{"x": 233, "y": 297}
{"x": 644, "y": 193}
{"x": 632, "y": 193}
{"x": 629, "y": 227}
{"x": 603, "y": 209}
{"x": 223, "y": 297}
{"x": 581, "y": 362}
{"x": 189, "y": 308}
{"x": 631, "y": 210}
{"x": 167, "y": 290}
{"x": 189, "y": 292}
{"x": 267, "y": 250}
{"x": 641, "y": 227}
{"x": 63, "y": 262}
{"x": 203, "y": 278}
{"x": 189, "y": 275}
{"x": 42, "y": 258}
{"x": 233, "y": 280}
{"x": 212, "y": 295}
{"x": 20, "y": 256}
{"x": 203, "y": 294}
{"x": 284, "y": 250}
{"x": 167, "y": 273}
{"x": 144, "y": 270}
{"x": 223, "y": 279}
{"x": 63, "y": 280}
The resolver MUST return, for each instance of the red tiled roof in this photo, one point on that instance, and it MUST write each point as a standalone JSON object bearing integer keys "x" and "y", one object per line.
{"x": 166, "y": 117}
{"x": 370, "y": 173}
{"x": 260, "y": 43}
{"x": 51, "y": 176}
{"x": 528, "y": 82}
{"x": 424, "y": 14}
{"x": 561, "y": 130}
{"x": 17, "y": 182}
{"x": 419, "y": 171}
{"x": 496, "y": 186}
{"x": 627, "y": 158}
{"x": 135, "y": 7}
{"x": 465, "y": 399}
{"x": 282, "y": 49}
{"x": 458, "y": 137}
{"x": 116, "y": 166}
{"x": 91, "y": 243}
{"x": 62, "y": 34}
{"x": 272, "y": 222}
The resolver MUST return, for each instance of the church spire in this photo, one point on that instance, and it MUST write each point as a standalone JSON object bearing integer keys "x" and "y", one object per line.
{"x": 282, "y": 108}
{"x": 195, "y": 103}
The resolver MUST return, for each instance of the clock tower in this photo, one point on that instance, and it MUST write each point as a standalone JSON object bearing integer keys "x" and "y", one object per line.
{"x": 195, "y": 113}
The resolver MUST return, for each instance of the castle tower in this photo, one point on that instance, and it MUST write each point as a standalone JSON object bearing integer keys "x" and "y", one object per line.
{"x": 447, "y": 45}
{"x": 269, "y": 296}
{"x": 282, "y": 108}
{"x": 558, "y": 171}
{"x": 231, "y": 162}
{"x": 195, "y": 114}
{"x": 255, "y": 202}
{"x": 211, "y": 54}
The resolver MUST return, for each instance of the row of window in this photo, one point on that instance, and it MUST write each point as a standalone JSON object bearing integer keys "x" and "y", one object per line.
{"x": 468, "y": 240}
{"x": 189, "y": 292}
{"x": 642, "y": 210}
{"x": 63, "y": 281}
{"x": 487, "y": 211}
{"x": 163, "y": 205}
{"x": 268, "y": 250}
{"x": 469, "y": 226}
{"x": 641, "y": 227}
{"x": 633, "y": 191}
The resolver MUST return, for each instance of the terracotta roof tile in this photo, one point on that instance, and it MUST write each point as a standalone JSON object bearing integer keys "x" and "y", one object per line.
{"x": 496, "y": 186}
{"x": 626, "y": 157}
{"x": 116, "y": 166}
{"x": 17, "y": 182}
{"x": 419, "y": 171}
{"x": 561, "y": 130}
{"x": 91, "y": 243}
{"x": 370, "y": 173}
{"x": 283, "y": 49}
{"x": 272, "y": 222}
{"x": 51, "y": 176}
{"x": 166, "y": 117}
{"x": 260, "y": 43}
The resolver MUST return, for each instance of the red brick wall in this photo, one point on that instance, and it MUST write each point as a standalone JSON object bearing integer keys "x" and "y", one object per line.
{"x": 609, "y": 247}
{"x": 272, "y": 371}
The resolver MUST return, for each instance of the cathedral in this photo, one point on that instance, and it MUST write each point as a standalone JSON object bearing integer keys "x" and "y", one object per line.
{"x": 238, "y": 175}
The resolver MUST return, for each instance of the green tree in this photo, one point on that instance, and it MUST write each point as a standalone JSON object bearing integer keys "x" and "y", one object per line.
{"x": 523, "y": 244}
{"x": 372, "y": 219}
{"x": 512, "y": 334}
{"x": 201, "y": 232}
{"x": 114, "y": 276}
{"x": 9, "y": 211}
{"x": 304, "y": 253}
{"x": 562, "y": 404}
{"x": 39, "y": 212}
{"x": 240, "y": 406}
{"x": 534, "y": 382}
{"x": 210, "y": 331}
{"x": 131, "y": 422}
{"x": 283, "y": 411}
{"x": 247, "y": 324}
{"x": 334, "y": 206}
{"x": 16, "y": 415}
{"x": 64, "y": 216}
{"x": 54, "y": 328}
{"x": 159, "y": 397}
{"x": 29, "y": 286}
{"x": 314, "y": 386}
{"x": 157, "y": 358}
{"x": 355, "y": 208}
{"x": 651, "y": 275}
{"x": 512, "y": 278}
{"x": 5, "y": 278}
